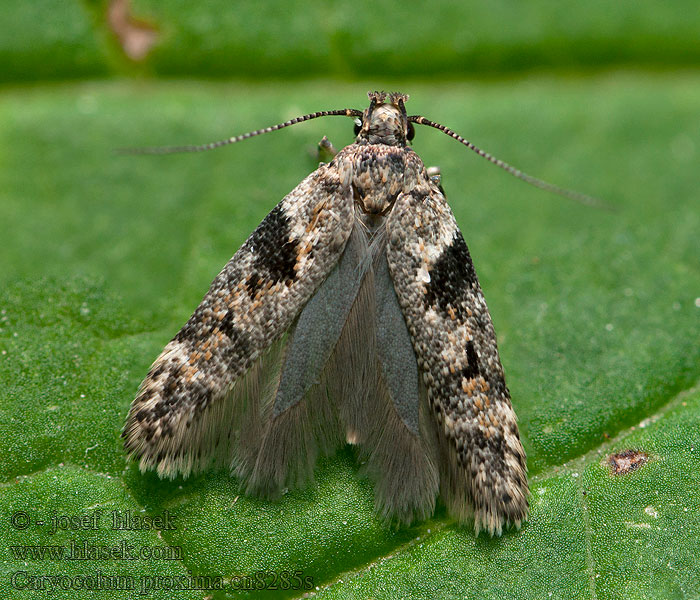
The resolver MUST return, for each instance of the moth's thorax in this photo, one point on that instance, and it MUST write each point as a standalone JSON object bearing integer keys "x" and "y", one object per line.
{"x": 383, "y": 124}
{"x": 379, "y": 173}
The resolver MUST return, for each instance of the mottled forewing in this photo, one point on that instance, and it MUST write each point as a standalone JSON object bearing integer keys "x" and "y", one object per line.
{"x": 455, "y": 346}
{"x": 179, "y": 414}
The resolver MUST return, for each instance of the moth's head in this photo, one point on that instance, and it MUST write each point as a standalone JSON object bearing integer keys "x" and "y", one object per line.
{"x": 384, "y": 121}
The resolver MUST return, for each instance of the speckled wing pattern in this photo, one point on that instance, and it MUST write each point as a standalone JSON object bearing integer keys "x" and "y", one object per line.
{"x": 187, "y": 409}
{"x": 483, "y": 468}
{"x": 351, "y": 314}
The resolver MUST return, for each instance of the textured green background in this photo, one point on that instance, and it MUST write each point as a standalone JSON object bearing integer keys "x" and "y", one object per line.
{"x": 104, "y": 256}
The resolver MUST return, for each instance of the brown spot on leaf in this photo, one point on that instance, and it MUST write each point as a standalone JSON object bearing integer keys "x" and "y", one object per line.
{"x": 135, "y": 36}
{"x": 627, "y": 461}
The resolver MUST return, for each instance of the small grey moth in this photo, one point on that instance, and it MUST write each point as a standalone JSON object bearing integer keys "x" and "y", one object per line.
{"x": 351, "y": 314}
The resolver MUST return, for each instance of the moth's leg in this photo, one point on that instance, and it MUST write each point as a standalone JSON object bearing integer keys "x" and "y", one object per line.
{"x": 436, "y": 177}
{"x": 326, "y": 150}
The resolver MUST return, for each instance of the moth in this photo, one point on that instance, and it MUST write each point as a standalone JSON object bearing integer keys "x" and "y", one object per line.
{"x": 351, "y": 314}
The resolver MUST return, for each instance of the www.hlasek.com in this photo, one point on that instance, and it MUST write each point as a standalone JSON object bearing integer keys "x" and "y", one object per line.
{"x": 77, "y": 550}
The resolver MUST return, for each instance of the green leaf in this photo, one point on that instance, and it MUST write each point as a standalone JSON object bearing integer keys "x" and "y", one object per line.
{"x": 71, "y": 511}
{"x": 49, "y": 39}
{"x": 54, "y": 39}
{"x": 378, "y": 38}
{"x": 104, "y": 257}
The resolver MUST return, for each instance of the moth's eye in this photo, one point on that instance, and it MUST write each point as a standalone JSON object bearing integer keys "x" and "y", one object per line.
{"x": 358, "y": 126}
{"x": 411, "y": 132}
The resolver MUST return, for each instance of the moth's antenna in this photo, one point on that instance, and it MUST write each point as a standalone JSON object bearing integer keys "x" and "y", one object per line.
{"x": 345, "y": 112}
{"x": 540, "y": 183}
